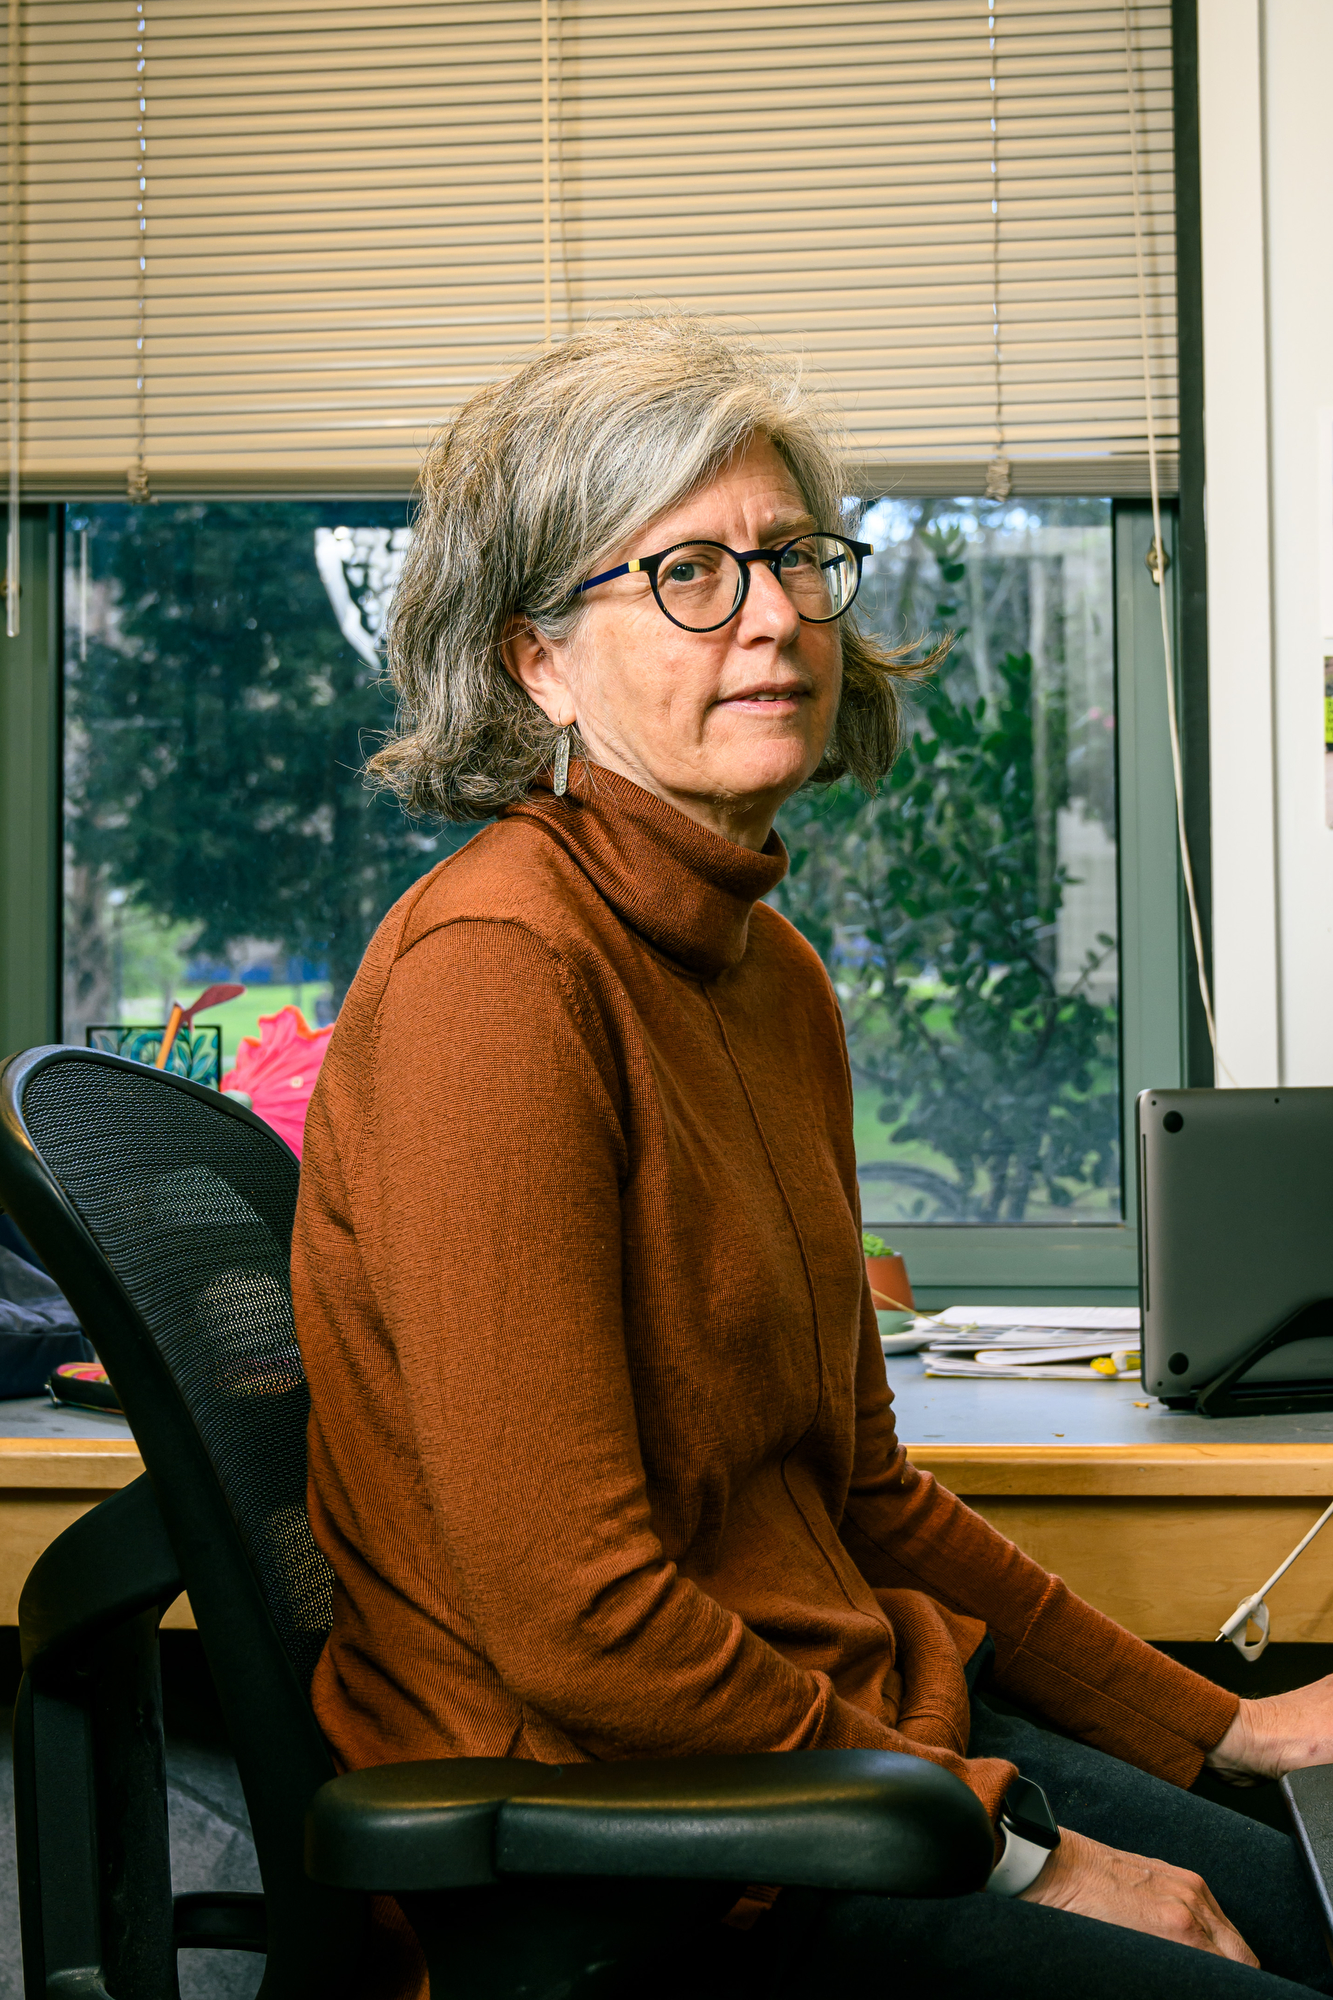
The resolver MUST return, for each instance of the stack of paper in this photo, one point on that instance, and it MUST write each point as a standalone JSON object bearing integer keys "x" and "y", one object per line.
{"x": 1034, "y": 1343}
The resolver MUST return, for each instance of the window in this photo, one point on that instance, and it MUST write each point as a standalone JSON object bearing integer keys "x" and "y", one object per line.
{"x": 1002, "y": 923}
{"x": 221, "y": 682}
{"x": 968, "y": 915}
{"x": 970, "y": 258}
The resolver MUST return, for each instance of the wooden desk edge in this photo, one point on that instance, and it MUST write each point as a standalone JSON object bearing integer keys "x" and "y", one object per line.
{"x": 85, "y": 1464}
{"x": 1277, "y": 1471}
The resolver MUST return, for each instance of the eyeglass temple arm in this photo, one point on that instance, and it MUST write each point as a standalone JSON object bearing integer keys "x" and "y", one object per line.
{"x": 859, "y": 549}
{"x": 624, "y": 569}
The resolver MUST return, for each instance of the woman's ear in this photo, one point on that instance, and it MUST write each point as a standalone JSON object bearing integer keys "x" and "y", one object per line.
{"x": 528, "y": 657}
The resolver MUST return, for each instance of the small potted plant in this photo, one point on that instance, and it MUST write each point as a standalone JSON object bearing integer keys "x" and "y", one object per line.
{"x": 890, "y": 1287}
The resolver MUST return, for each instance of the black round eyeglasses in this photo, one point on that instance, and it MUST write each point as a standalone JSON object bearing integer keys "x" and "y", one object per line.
{"x": 700, "y": 586}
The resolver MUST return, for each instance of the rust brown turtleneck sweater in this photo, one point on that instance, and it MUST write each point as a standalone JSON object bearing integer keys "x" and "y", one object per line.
{"x": 601, "y": 1448}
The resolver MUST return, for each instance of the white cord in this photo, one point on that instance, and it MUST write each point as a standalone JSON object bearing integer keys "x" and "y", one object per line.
{"x": 1255, "y": 1608}
{"x": 1159, "y": 572}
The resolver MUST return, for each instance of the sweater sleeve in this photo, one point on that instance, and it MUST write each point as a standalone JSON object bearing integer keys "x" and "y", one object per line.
{"x": 486, "y": 1189}
{"x": 1054, "y": 1652}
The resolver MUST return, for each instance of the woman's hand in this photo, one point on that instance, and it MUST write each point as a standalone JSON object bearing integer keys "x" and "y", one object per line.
{"x": 1136, "y": 1893}
{"x": 1276, "y": 1734}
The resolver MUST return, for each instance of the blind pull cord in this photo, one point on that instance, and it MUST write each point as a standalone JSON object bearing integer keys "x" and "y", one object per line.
{"x": 136, "y": 479}
{"x": 553, "y": 170}
{"x": 1158, "y": 558}
{"x": 15, "y": 162}
{"x": 999, "y": 473}
{"x": 1251, "y": 1609}
{"x": 546, "y": 171}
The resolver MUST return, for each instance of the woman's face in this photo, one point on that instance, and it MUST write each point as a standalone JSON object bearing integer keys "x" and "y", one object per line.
{"x": 723, "y": 725}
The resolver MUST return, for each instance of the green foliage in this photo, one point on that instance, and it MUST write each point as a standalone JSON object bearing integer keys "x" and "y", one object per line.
{"x": 875, "y": 1246}
{"x": 217, "y": 723}
{"x": 217, "y": 728}
{"x": 195, "y": 1053}
{"x": 935, "y": 908}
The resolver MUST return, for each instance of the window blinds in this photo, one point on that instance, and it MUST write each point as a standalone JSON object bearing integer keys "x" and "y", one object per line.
{"x": 339, "y": 212}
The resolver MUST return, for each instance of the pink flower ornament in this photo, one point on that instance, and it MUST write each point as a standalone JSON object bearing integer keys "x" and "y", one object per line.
{"x": 276, "y": 1074}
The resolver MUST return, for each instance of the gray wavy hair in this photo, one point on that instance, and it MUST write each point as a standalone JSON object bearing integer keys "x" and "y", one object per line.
{"x": 538, "y": 480}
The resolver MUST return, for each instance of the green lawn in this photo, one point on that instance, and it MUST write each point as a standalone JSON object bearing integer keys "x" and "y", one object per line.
{"x": 888, "y": 1202}
{"x": 885, "y": 1201}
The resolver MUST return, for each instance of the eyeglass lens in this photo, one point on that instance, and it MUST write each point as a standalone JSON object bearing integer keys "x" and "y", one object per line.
{"x": 699, "y": 584}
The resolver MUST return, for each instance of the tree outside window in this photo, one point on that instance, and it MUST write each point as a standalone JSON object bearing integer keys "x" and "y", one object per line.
{"x": 223, "y": 685}
{"x": 967, "y": 916}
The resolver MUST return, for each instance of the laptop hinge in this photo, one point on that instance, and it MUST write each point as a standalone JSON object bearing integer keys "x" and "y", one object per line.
{"x": 1227, "y": 1396}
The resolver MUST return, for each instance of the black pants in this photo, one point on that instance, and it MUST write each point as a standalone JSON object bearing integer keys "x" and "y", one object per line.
{"x": 822, "y": 1947}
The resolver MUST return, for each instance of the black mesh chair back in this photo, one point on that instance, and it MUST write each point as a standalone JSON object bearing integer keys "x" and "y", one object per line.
{"x": 192, "y": 1205}
{"x": 165, "y": 1212}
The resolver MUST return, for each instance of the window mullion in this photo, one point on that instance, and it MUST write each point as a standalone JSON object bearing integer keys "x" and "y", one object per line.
{"x": 30, "y": 798}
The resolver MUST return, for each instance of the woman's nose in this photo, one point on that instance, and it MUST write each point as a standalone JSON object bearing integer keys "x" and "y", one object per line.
{"x": 768, "y": 612}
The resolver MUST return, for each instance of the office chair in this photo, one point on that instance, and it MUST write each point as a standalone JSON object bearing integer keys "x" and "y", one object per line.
{"x": 165, "y": 1213}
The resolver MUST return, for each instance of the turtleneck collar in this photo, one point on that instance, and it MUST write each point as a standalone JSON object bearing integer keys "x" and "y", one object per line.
{"x": 685, "y": 889}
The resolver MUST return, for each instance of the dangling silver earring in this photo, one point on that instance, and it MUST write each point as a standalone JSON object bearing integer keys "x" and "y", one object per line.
{"x": 561, "y": 781}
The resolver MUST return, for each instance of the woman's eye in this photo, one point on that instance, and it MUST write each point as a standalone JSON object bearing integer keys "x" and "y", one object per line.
{"x": 683, "y": 572}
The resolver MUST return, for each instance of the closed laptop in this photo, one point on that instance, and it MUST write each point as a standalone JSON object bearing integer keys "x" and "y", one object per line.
{"x": 1235, "y": 1234}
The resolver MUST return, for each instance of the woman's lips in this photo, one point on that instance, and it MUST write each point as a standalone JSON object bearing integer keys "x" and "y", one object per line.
{"x": 764, "y": 697}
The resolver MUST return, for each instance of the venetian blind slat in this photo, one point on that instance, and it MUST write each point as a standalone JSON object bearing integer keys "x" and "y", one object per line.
{"x": 344, "y": 224}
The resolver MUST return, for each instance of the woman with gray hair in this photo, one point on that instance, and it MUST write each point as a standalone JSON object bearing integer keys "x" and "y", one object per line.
{"x": 601, "y": 1448}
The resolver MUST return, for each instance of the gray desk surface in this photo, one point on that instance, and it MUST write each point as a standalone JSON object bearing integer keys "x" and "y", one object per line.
{"x": 963, "y": 1410}
{"x": 941, "y": 1410}
{"x": 38, "y": 1417}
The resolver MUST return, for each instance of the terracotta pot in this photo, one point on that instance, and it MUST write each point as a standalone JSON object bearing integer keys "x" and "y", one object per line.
{"x": 890, "y": 1286}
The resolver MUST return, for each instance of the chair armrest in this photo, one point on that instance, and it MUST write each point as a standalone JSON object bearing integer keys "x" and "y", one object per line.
{"x": 107, "y": 1567}
{"x": 857, "y": 1820}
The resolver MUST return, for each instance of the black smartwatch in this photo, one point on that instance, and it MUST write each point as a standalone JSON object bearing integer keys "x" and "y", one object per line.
{"x": 1030, "y": 1838}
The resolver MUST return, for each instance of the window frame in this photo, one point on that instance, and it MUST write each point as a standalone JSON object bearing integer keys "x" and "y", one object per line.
{"x": 31, "y": 873}
{"x": 1097, "y": 1263}
{"x": 1092, "y": 1263}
